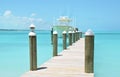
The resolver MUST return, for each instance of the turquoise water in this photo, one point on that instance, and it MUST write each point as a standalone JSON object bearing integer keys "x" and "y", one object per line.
{"x": 14, "y": 52}
{"x": 107, "y": 55}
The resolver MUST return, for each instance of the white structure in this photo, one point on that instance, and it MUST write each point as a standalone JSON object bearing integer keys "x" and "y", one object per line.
{"x": 32, "y": 28}
{"x": 63, "y": 25}
{"x": 89, "y": 33}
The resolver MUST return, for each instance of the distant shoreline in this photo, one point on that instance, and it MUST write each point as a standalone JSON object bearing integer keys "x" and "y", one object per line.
{"x": 50, "y": 30}
{"x": 19, "y": 30}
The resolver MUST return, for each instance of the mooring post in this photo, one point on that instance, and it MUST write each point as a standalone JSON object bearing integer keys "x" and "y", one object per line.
{"x": 64, "y": 40}
{"x": 33, "y": 48}
{"x": 73, "y": 36}
{"x": 52, "y": 36}
{"x": 70, "y": 37}
{"x": 89, "y": 52}
{"x": 77, "y": 35}
{"x": 55, "y": 43}
{"x": 80, "y": 34}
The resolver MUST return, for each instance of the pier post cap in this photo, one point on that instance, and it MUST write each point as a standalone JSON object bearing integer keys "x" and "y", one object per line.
{"x": 73, "y": 31}
{"x": 64, "y": 32}
{"x": 55, "y": 32}
{"x": 76, "y": 31}
{"x": 32, "y": 34}
{"x": 32, "y": 26}
{"x": 89, "y": 33}
{"x": 70, "y": 32}
{"x": 80, "y": 31}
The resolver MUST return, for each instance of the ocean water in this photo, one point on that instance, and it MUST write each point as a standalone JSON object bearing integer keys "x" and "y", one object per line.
{"x": 107, "y": 55}
{"x": 14, "y": 52}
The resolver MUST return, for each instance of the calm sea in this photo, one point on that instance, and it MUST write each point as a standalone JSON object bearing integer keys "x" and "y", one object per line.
{"x": 107, "y": 55}
{"x": 14, "y": 52}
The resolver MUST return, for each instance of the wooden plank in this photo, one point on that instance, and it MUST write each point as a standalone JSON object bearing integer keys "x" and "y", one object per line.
{"x": 69, "y": 63}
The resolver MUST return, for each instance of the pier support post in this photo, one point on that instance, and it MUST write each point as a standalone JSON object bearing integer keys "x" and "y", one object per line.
{"x": 64, "y": 40}
{"x": 33, "y": 49}
{"x": 55, "y": 43}
{"x": 73, "y": 37}
{"x": 89, "y": 52}
{"x": 70, "y": 37}
{"x": 52, "y": 36}
{"x": 77, "y": 35}
{"x": 80, "y": 34}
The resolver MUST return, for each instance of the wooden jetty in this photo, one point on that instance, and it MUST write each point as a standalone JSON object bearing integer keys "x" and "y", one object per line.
{"x": 69, "y": 63}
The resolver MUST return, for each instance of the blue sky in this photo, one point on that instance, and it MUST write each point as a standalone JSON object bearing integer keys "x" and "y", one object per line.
{"x": 99, "y": 15}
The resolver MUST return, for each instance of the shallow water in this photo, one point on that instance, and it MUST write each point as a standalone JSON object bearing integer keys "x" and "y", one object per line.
{"x": 107, "y": 54}
{"x": 14, "y": 51}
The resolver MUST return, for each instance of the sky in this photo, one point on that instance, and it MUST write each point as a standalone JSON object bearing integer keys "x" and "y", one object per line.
{"x": 98, "y": 15}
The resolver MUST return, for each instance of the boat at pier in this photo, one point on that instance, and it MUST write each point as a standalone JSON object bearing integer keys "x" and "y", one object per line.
{"x": 63, "y": 25}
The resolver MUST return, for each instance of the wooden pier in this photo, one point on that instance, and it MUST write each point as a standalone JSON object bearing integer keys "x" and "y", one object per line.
{"x": 69, "y": 63}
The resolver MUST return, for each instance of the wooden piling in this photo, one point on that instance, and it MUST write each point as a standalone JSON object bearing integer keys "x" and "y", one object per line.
{"x": 52, "y": 36}
{"x": 55, "y": 43}
{"x": 33, "y": 51}
{"x": 70, "y": 37}
{"x": 77, "y": 36}
{"x": 89, "y": 52}
{"x": 64, "y": 40}
{"x": 80, "y": 34}
{"x": 73, "y": 37}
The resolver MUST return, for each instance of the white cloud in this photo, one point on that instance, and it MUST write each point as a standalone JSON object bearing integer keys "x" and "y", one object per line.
{"x": 8, "y": 20}
{"x": 7, "y": 13}
{"x": 33, "y": 14}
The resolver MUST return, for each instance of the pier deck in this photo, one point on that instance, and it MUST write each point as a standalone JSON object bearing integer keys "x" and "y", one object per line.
{"x": 69, "y": 63}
